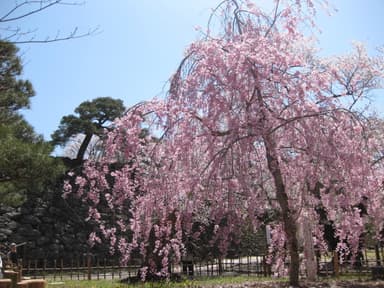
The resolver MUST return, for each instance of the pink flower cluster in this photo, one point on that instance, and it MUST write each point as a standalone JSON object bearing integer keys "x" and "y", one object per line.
{"x": 254, "y": 122}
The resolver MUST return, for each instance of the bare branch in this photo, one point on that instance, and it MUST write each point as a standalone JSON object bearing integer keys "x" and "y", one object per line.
{"x": 16, "y": 35}
{"x": 275, "y": 16}
{"x": 237, "y": 21}
{"x": 57, "y": 38}
{"x": 44, "y": 4}
{"x": 214, "y": 11}
{"x": 381, "y": 158}
{"x": 41, "y": 8}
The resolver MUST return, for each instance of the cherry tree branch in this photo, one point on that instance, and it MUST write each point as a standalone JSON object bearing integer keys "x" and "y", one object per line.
{"x": 275, "y": 16}
{"x": 43, "y": 5}
{"x": 16, "y": 35}
{"x": 57, "y": 38}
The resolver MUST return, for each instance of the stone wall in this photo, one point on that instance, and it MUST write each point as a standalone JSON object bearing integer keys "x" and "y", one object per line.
{"x": 50, "y": 228}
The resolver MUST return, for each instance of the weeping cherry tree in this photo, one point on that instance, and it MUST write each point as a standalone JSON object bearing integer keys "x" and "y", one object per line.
{"x": 255, "y": 121}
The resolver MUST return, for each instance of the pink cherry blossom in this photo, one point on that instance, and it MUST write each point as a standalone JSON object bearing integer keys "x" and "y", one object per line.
{"x": 254, "y": 122}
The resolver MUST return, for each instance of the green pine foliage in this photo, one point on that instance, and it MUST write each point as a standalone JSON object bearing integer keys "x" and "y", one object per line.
{"x": 26, "y": 167}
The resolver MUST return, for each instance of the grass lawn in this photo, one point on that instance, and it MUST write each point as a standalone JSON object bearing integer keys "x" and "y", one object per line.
{"x": 236, "y": 281}
{"x": 209, "y": 281}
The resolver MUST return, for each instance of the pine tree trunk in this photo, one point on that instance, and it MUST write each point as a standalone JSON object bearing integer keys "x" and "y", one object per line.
{"x": 83, "y": 147}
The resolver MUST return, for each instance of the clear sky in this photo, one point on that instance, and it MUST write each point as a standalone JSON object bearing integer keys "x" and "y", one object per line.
{"x": 140, "y": 44}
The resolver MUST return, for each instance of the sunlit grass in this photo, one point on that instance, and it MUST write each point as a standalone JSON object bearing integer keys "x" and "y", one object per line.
{"x": 88, "y": 284}
{"x": 199, "y": 282}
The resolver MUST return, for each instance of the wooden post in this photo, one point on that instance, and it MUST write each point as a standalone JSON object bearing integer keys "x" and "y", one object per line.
{"x": 5, "y": 283}
{"x": 382, "y": 252}
{"x": 105, "y": 268}
{"x": 336, "y": 266}
{"x": 35, "y": 267}
{"x": 61, "y": 268}
{"x": 71, "y": 268}
{"x": 98, "y": 268}
{"x": 54, "y": 269}
{"x": 113, "y": 268}
{"x": 29, "y": 266}
{"x": 32, "y": 283}
{"x": 89, "y": 266}
{"x": 20, "y": 270}
{"x": 377, "y": 252}
{"x": 10, "y": 274}
{"x": 44, "y": 267}
{"x": 78, "y": 268}
{"x": 119, "y": 268}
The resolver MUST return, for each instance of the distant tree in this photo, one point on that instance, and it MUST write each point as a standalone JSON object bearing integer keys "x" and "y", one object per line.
{"x": 26, "y": 166}
{"x": 15, "y": 93}
{"x": 93, "y": 118}
{"x": 93, "y": 151}
{"x": 11, "y": 31}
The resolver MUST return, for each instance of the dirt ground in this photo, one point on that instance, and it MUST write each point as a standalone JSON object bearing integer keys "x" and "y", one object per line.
{"x": 330, "y": 284}
{"x": 345, "y": 284}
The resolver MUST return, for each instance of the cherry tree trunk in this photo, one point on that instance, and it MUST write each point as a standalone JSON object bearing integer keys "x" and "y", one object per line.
{"x": 309, "y": 251}
{"x": 290, "y": 228}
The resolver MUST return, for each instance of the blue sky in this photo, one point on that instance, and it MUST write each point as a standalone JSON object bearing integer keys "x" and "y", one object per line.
{"x": 140, "y": 45}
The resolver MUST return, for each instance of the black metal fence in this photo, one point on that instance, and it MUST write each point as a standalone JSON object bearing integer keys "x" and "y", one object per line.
{"x": 87, "y": 268}
{"x": 108, "y": 268}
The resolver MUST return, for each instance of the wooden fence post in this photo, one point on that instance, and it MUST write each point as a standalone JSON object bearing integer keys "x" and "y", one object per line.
{"x": 336, "y": 266}
{"x": 89, "y": 266}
